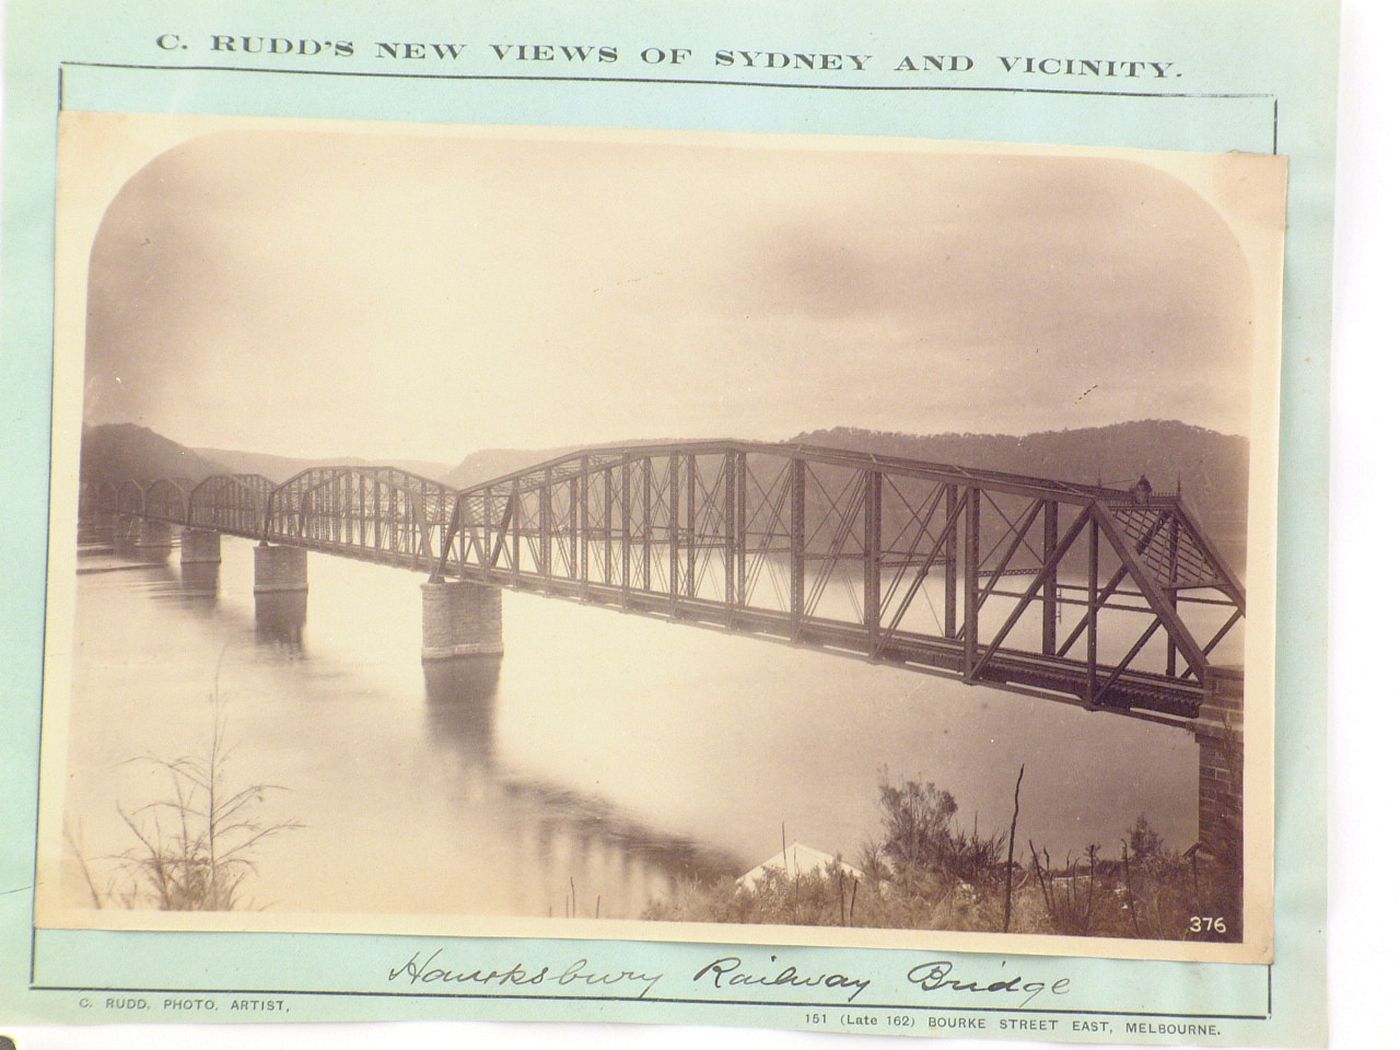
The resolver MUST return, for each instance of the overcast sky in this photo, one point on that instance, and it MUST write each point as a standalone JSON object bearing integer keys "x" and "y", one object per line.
{"x": 411, "y": 296}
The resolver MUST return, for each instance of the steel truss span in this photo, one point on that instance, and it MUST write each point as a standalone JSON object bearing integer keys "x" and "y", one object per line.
{"x": 1113, "y": 599}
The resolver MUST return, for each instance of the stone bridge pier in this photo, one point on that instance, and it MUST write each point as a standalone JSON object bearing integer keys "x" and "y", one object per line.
{"x": 199, "y": 546}
{"x": 461, "y": 618}
{"x": 1220, "y": 738}
{"x": 152, "y": 534}
{"x": 125, "y": 529}
{"x": 278, "y": 569}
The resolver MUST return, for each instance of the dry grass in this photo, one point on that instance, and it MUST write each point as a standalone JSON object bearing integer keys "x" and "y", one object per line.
{"x": 926, "y": 873}
{"x": 195, "y": 846}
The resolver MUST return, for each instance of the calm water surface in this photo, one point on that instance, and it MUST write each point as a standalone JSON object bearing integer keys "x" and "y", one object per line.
{"x": 603, "y": 760}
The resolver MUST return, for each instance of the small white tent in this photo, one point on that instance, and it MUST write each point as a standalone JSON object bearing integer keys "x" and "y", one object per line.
{"x": 797, "y": 859}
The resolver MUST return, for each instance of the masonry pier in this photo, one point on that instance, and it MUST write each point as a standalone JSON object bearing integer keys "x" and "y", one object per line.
{"x": 125, "y": 528}
{"x": 153, "y": 534}
{"x": 279, "y": 618}
{"x": 1220, "y": 738}
{"x": 461, "y": 618}
{"x": 199, "y": 579}
{"x": 199, "y": 546}
{"x": 278, "y": 568}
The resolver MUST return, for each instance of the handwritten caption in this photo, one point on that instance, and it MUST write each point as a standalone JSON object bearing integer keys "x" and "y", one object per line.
{"x": 725, "y": 974}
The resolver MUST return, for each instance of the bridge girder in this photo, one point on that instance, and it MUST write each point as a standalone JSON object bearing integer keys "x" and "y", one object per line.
{"x": 769, "y": 538}
{"x": 167, "y": 499}
{"x": 96, "y": 497}
{"x": 930, "y": 566}
{"x": 361, "y": 511}
{"x": 232, "y": 503}
{"x": 131, "y": 498}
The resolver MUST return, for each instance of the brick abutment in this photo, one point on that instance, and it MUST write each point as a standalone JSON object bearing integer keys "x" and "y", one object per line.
{"x": 1220, "y": 740}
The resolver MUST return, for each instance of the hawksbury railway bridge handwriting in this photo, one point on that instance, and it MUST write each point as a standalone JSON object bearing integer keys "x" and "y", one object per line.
{"x": 1113, "y": 599}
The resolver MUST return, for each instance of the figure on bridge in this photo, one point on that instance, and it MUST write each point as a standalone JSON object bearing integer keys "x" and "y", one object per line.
{"x": 1142, "y": 491}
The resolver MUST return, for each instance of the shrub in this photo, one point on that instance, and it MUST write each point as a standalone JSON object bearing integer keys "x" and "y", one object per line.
{"x": 195, "y": 846}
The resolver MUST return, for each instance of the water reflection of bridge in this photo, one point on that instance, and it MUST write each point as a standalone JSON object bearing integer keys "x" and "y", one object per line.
{"x": 461, "y": 709}
{"x": 557, "y": 835}
{"x": 1103, "y": 597}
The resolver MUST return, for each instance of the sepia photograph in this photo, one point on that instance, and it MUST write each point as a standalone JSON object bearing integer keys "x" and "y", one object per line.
{"x": 758, "y": 539}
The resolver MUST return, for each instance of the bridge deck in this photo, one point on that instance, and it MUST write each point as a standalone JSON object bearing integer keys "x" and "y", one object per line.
{"x": 1125, "y": 595}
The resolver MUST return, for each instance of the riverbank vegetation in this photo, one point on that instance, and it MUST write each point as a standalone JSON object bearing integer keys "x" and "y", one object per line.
{"x": 924, "y": 871}
{"x": 195, "y": 846}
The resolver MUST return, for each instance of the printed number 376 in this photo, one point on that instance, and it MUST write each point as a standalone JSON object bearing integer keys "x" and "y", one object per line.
{"x": 1207, "y": 924}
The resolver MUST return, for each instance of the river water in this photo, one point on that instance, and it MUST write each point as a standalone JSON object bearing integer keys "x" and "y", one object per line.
{"x": 604, "y": 760}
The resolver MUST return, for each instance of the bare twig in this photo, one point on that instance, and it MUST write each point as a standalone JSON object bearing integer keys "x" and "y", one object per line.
{"x": 1040, "y": 877}
{"x": 82, "y": 864}
{"x": 1011, "y": 849}
{"x": 1093, "y": 850}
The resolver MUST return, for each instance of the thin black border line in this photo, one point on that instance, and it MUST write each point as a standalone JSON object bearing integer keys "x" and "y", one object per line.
{"x": 668, "y": 1000}
{"x": 681, "y": 81}
{"x": 34, "y": 929}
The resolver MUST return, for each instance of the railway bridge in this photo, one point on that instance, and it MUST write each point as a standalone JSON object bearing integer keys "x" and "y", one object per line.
{"x": 1111, "y": 599}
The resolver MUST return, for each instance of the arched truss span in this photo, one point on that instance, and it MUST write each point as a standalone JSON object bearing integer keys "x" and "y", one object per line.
{"x": 131, "y": 498}
{"x": 1112, "y": 599}
{"x": 378, "y": 513}
{"x": 104, "y": 497}
{"x": 167, "y": 499}
{"x": 232, "y": 503}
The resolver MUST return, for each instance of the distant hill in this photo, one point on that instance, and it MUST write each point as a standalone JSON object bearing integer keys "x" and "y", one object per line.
{"x": 123, "y": 450}
{"x": 280, "y": 468}
{"x": 1213, "y": 468}
{"x": 117, "y": 451}
{"x": 494, "y": 462}
{"x": 491, "y": 463}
